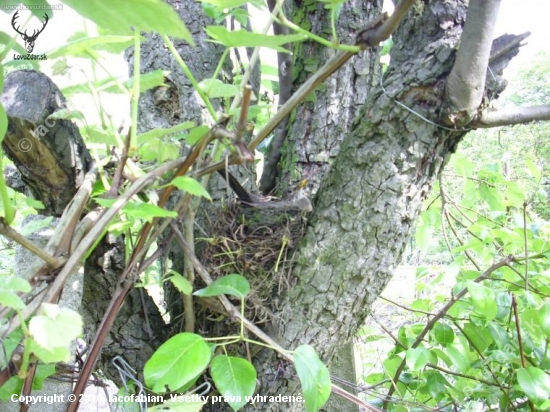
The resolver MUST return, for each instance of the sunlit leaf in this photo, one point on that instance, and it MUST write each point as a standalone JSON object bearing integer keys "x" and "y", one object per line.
{"x": 234, "y": 285}
{"x": 314, "y": 377}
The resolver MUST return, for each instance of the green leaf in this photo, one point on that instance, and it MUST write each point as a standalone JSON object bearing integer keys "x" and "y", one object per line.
{"x": 161, "y": 132}
{"x": 82, "y": 47}
{"x": 436, "y": 384}
{"x": 417, "y": 358}
{"x": 215, "y": 88}
{"x": 145, "y": 15}
{"x": 191, "y": 186}
{"x": 461, "y": 362}
{"x": 53, "y": 331}
{"x": 493, "y": 198}
{"x": 181, "y": 283}
{"x": 483, "y": 300}
{"x": 544, "y": 319}
{"x": 66, "y": 114}
{"x": 534, "y": 169}
{"x": 234, "y": 285}
{"x": 444, "y": 334}
{"x": 5, "y": 39}
{"x": 9, "y": 287}
{"x": 535, "y": 383}
{"x": 146, "y": 211}
{"x": 500, "y": 335}
{"x": 177, "y": 361}
{"x": 157, "y": 149}
{"x": 514, "y": 194}
{"x": 480, "y": 337}
{"x": 147, "y": 81}
{"x": 3, "y": 123}
{"x": 314, "y": 377}
{"x": 235, "y": 378}
{"x": 11, "y": 386}
{"x": 243, "y": 38}
{"x": 42, "y": 372}
{"x": 195, "y": 134}
{"x": 98, "y": 135}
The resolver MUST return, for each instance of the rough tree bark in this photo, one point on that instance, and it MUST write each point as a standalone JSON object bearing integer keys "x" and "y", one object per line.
{"x": 382, "y": 167}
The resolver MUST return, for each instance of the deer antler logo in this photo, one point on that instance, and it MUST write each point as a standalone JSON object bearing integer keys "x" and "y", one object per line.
{"x": 29, "y": 40}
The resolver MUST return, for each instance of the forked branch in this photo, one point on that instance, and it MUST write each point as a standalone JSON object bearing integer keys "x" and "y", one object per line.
{"x": 466, "y": 82}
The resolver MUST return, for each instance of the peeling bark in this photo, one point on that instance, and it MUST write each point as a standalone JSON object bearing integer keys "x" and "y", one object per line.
{"x": 49, "y": 153}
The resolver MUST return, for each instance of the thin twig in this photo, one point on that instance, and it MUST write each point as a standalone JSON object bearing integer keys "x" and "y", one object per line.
{"x": 12, "y": 234}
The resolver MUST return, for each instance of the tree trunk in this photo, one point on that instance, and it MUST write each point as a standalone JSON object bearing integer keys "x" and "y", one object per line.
{"x": 368, "y": 201}
{"x": 385, "y": 168}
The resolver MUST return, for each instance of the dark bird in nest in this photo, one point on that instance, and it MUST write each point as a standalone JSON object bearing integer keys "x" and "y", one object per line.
{"x": 270, "y": 211}
{"x": 294, "y": 201}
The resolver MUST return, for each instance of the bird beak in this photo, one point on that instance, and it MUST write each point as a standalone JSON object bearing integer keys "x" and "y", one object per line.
{"x": 301, "y": 185}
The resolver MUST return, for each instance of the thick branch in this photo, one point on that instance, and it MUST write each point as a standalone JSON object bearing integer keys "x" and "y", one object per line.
{"x": 518, "y": 115}
{"x": 466, "y": 82}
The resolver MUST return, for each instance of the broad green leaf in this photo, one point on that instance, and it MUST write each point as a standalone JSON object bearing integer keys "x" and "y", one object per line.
{"x": 235, "y": 378}
{"x": 444, "y": 334}
{"x": 161, "y": 132}
{"x": 191, "y": 186}
{"x": 159, "y": 150}
{"x": 181, "y": 283}
{"x": 145, "y": 15}
{"x": 195, "y": 134}
{"x": 462, "y": 165}
{"x": 11, "y": 386}
{"x": 500, "y": 335}
{"x": 235, "y": 285}
{"x": 5, "y": 39}
{"x": 53, "y": 330}
{"x": 146, "y": 211}
{"x": 215, "y": 88}
{"x": 436, "y": 384}
{"x": 67, "y": 114}
{"x": 42, "y": 372}
{"x": 533, "y": 168}
{"x": 314, "y": 377}
{"x": 9, "y": 287}
{"x": 177, "y": 361}
{"x": 147, "y": 81}
{"x": 535, "y": 383}
{"x": 480, "y": 337}
{"x": 504, "y": 302}
{"x": 483, "y": 300}
{"x": 83, "y": 47}
{"x": 243, "y": 38}
{"x": 493, "y": 197}
{"x": 544, "y": 319}
{"x": 514, "y": 194}
{"x": 3, "y": 123}
{"x": 96, "y": 134}
{"x": 461, "y": 362}
{"x": 417, "y": 358}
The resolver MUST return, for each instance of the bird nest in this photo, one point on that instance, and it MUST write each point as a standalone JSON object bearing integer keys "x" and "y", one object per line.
{"x": 257, "y": 243}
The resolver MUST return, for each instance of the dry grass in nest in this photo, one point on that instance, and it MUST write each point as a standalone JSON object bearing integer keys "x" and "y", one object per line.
{"x": 261, "y": 252}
